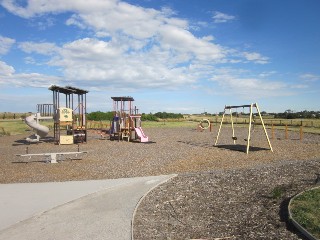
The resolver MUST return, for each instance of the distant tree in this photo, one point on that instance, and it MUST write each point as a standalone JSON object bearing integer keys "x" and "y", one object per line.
{"x": 164, "y": 115}
{"x": 288, "y": 114}
{"x": 98, "y": 116}
{"x": 148, "y": 117}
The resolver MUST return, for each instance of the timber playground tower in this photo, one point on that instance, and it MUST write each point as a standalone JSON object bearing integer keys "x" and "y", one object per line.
{"x": 70, "y": 125}
{"x": 126, "y": 122}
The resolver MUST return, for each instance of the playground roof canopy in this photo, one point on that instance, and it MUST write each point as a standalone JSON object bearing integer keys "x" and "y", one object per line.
{"x": 68, "y": 90}
{"x": 122, "y": 98}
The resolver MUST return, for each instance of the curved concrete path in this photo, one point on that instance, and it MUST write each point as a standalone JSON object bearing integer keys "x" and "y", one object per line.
{"x": 97, "y": 209}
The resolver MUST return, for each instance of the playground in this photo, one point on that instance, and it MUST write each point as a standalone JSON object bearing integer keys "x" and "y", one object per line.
{"x": 253, "y": 168}
{"x": 182, "y": 150}
{"x": 170, "y": 150}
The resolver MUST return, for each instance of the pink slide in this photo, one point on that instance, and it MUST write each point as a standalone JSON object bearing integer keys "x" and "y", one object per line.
{"x": 143, "y": 138}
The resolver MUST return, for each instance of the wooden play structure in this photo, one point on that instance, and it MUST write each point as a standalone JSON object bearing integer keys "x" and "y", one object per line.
{"x": 126, "y": 122}
{"x": 251, "y": 122}
{"x": 69, "y": 120}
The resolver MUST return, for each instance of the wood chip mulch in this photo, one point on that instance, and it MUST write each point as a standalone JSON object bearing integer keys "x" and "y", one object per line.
{"x": 229, "y": 204}
{"x": 220, "y": 192}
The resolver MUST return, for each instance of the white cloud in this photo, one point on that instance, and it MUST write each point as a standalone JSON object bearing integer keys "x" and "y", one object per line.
{"x": 308, "y": 77}
{"x": 240, "y": 82}
{"x": 5, "y": 70}
{"x": 220, "y": 17}
{"x": 39, "y": 7}
{"x": 267, "y": 74}
{"x": 5, "y": 44}
{"x": 39, "y": 48}
{"x": 256, "y": 57}
{"x": 9, "y": 76}
{"x": 133, "y": 47}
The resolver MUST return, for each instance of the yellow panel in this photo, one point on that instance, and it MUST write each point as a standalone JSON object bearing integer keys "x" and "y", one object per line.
{"x": 65, "y": 114}
{"x": 66, "y": 139}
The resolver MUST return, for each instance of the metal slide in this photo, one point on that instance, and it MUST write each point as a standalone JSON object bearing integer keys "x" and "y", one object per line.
{"x": 42, "y": 131}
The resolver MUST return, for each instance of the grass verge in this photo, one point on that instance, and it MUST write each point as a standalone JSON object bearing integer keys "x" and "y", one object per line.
{"x": 305, "y": 209}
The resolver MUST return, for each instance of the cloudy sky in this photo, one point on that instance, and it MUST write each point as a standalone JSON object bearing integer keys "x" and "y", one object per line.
{"x": 183, "y": 56}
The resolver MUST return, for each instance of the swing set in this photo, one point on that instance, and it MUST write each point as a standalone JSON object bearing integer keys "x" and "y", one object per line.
{"x": 251, "y": 124}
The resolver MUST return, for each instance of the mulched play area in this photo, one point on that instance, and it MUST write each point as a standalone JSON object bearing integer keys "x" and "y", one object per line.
{"x": 220, "y": 191}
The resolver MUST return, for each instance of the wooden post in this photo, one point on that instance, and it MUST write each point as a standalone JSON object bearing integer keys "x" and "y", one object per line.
{"x": 249, "y": 131}
{"x": 272, "y": 131}
{"x": 265, "y": 130}
{"x": 286, "y": 131}
{"x": 210, "y": 126}
{"x": 301, "y": 133}
{"x": 233, "y": 137}
{"x": 220, "y": 127}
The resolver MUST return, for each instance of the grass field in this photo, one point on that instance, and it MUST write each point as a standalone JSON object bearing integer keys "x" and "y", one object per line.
{"x": 17, "y": 126}
{"x": 14, "y": 127}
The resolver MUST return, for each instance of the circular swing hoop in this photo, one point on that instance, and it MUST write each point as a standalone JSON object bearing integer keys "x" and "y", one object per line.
{"x": 204, "y": 121}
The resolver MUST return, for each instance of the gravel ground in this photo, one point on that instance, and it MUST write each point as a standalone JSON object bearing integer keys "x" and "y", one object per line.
{"x": 219, "y": 192}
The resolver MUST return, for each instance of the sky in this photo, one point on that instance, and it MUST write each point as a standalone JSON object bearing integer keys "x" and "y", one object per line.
{"x": 180, "y": 56}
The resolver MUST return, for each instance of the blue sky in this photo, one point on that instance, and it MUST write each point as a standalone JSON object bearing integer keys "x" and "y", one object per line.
{"x": 183, "y": 56}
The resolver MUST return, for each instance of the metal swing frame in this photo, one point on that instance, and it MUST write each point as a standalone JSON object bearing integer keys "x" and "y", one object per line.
{"x": 251, "y": 106}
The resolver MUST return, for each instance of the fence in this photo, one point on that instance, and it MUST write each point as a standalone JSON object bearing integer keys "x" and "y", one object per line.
{"x": 97, "y": 125}
{"x": 269, "y": 122}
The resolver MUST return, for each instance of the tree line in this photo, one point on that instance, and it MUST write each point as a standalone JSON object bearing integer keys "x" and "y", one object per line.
{"x": 99, "y": 116}
{"x": 289, "y": 114}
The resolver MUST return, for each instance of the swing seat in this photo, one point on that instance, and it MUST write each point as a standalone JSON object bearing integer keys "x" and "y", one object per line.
{"x": 234, "y": 138}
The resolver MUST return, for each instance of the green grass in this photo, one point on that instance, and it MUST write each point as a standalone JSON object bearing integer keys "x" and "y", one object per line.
{"x": 305, "y": 209}
{"x": 169, "y": 124}
{"x": 14, "y": 127}
{"x": 277, "y": 192}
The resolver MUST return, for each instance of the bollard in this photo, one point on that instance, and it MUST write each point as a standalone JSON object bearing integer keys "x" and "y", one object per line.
{"x": 301, "y": 133}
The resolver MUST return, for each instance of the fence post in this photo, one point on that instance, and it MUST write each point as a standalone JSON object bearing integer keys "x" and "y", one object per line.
{"x": 272, "y": 131}
{"x": 286, "y": 132}
{"x": 301, "y": 133}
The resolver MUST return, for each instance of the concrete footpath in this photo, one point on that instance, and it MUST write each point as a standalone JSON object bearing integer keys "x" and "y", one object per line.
{"x": 95, "y": 209}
